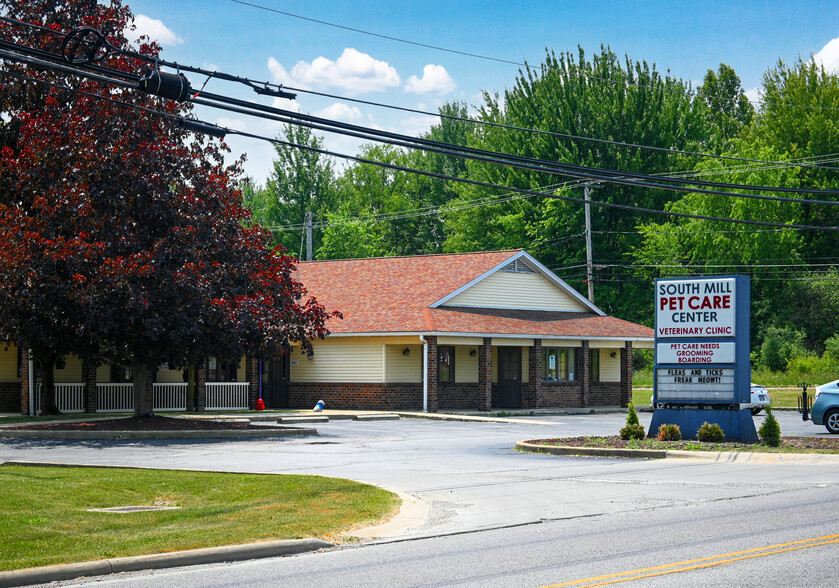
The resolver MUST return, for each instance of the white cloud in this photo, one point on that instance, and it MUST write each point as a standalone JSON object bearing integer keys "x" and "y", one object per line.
{"x": 829, "y": 56}
{"x": 754, "y": 95}
{"x": 435, "y": 79}
{"x": 353, "y": 72}
{"x": 415, "y": 125}
{"x": 154, "y": 30}
{"x": 340, "y": 111}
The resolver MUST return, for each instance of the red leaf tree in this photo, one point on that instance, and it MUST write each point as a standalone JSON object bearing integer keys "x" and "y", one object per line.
{"x": 121, "y": 237}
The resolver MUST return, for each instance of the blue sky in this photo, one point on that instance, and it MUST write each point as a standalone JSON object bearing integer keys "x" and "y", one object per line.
{"x": 685, "y": 38}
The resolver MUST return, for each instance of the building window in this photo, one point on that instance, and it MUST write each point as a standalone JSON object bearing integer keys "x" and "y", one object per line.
{"x": 594, "y": 365}
{"x": 559, "y": 364}
{"x": 445, "y": 363}
{"x": 221, "y": 371}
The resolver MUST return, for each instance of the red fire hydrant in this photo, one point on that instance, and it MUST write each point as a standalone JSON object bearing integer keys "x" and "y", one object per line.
{"x": 260, "y": 405}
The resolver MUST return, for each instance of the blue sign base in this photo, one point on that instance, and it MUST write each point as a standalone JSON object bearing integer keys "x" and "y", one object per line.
{"x": 737, "y": 425}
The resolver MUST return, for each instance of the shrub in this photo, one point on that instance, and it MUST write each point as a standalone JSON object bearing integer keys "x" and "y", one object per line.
{"x": 710, "y": 433}
{"x": 669, "y": 433}
{"x": 635, "y": 431}
{"x": 770, "y": 430}
{"x": 780, "y": 344}
{"x": 831, "y": 350}
{"x": 631, "y": 415}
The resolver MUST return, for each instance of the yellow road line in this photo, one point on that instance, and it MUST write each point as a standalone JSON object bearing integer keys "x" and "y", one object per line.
{"x": 704, "y": 562}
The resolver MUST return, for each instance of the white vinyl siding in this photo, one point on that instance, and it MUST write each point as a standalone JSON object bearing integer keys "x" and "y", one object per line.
{"x": 610, "y": 368}
{"x": 103, "y": 373}
{"x": 72, "y": 372}
{"x": 170, "y": 376}
{"x": 8, "y": 363}
{"x": 465, "y": 365}
{"x": 403, "y": 368}
{"x": 340, "y": 360}
{"x": 516, "y": 290}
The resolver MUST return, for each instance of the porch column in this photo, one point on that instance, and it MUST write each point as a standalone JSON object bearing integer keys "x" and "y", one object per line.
{"x": 201, "y": 388}
{"x": 585, "y": 379}
{"x": 532, "y": 391}
{"x": 485, "y": 375}
{"x": 150, "y": 378}
{"x": 626, "y": 374}
{"x": 252, "y": 374}
{"x": 91, "y": 397}
{"x": 24, "y": 382}
{"x": 433, "y": 403}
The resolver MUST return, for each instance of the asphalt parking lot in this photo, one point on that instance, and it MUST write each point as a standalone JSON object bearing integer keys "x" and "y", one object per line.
{"x": 465, "y": 473}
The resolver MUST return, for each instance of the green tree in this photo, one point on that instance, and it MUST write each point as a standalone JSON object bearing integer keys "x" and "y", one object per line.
{"x": 604, "y": 97}
{"x": 725, "y": 106}
{"x": 301, "y": 181}
{"x": 799, "y": 122}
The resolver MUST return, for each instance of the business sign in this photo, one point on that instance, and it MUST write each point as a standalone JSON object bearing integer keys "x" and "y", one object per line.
{"x": 695, "y": 308}
{"x": 695, "y": 352}
{"x": 702, "y": 369}
{"x": 695, "y": 384}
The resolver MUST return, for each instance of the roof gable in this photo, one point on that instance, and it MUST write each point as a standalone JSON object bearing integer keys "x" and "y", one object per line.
{"x": 496, "y": 289}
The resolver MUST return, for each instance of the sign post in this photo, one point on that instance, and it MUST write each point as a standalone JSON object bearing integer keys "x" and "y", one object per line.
{"x": 702, "y": 368}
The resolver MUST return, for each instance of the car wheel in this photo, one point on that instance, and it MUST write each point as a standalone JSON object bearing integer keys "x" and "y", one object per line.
{"x": 831, "y": 421}
{"x": 756, "y": 410}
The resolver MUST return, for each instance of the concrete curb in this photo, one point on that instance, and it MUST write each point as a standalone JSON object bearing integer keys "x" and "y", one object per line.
{"x": 159, "y": 561}
{"x": 707, "y": 456}
{"x": 412, "y": 513}
{"x": 193, "y": 434}
{"x": 526, "y": 447}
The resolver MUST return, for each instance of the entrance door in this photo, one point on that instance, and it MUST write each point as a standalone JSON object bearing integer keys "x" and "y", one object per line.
{"x": 275, "y": 382}
{"x": 509, "y": 377}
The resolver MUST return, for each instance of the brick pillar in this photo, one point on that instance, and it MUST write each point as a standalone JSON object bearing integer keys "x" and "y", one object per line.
{"x": 24, "y": 382}
{"x": 252, "y": 374}
{"x": 532, "y": 391}
{"x": 432, "y": 373}
{"x": 485, "y": 375}
{"x": 585, "y": 379}
{"x": 201, "y": 389}
{"x": 150, "y": 378}
{"x": 91, "y": 398}
{"x": 626, "y": 373}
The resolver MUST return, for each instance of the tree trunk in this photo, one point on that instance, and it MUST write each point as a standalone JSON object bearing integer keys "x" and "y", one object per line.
{"x": 190, "y": 388}
{"x": 48, "y": 405}
{"x": 141, "y": 404}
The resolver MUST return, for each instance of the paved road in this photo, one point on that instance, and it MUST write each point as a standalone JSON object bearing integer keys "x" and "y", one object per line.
{"x": 501, "y": 518}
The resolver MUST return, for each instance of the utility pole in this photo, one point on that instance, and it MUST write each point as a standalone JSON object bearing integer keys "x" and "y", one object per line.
{"x": 309, "y": 235}
{"x": 587, "y": 190}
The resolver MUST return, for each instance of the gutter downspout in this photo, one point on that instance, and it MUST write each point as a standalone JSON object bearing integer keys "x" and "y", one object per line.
{"x": 424, "y": 373}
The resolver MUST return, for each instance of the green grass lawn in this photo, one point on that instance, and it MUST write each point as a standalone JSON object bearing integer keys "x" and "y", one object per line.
{"x": 45, "y": 518}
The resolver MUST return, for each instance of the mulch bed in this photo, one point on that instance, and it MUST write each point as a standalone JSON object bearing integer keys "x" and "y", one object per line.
{"x": 155, "y": 423}
{"x": 801, "y": 443}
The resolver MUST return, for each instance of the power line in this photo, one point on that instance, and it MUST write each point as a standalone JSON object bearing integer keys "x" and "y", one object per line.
{"x": 451, "y": 178}
{"x": 523, "y": 64}
{"x": 480, "y": 122}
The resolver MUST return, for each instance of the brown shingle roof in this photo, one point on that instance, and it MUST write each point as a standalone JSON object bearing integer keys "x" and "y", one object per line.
{"x": 393, "y": 295}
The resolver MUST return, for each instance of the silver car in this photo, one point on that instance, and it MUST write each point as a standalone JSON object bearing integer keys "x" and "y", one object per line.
{"x": 759, "y": 400}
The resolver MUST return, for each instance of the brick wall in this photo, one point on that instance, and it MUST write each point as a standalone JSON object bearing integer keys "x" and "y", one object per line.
{"x": 485, "y": 375}
{"x": 560, "y": 395}
{"x": 252, "y": 376}
{"x": 584, "y": 375}
{"x": 91, "y": 395}
{"x": 531, "y": 389}
{"x": 458, "y": 396}
{"x": 433, "y": 400}
{"x": 605, "y": 394}
{"x": 626, "y": 374}
{"x": 360, "y": 396}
